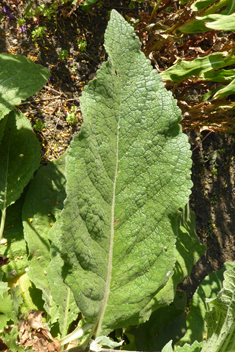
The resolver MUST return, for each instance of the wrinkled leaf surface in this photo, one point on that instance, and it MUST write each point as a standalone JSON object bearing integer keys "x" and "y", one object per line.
{"x": 188, "y": 251}
{"x": 128, "y": 172}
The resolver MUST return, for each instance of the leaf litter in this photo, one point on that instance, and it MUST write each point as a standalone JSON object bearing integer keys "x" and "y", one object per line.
{"x": 32, "y": 332}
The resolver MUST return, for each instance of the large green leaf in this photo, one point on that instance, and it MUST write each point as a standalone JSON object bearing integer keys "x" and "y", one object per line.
{"x": 19, "y": 79}
{"x": 128, "y": 172}
{"x": 196, "y": 67}
{"x": 20, "y": 157}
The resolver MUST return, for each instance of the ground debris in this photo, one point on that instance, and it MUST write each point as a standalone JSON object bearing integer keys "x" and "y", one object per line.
{"x": 34, "y": 333}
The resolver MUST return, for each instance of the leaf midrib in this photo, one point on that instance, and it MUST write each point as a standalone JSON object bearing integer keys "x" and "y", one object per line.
{"x": 109, "y": 271}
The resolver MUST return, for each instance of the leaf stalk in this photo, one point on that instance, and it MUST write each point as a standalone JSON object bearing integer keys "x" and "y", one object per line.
{"x": 76, "y": 334}
{"x": 3, "y": 219}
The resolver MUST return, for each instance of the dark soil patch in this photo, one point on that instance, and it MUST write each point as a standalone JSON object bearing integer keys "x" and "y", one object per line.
{"x": 213, "y": 194}
{"x": 213, "y": 201}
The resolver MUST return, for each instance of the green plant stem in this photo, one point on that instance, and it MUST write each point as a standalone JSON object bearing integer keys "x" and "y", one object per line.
{"x": 77, "y": 349}
{"x": 76, "y": 334}
{"x": 4, "y": 211}
{"x": 154, "y": 10}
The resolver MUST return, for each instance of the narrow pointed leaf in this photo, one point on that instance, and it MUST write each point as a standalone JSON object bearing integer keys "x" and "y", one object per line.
{"x": 220, "y": 22}
{"x": 226, "y": 91}
{"x": 199, "y": 5}
{"x": 20, "y": 157}
{"x": 219, "y": 76}
{"x": 128, "y": 172}
{"x": 19, "y": 79}
{"x": 196, "y": 67}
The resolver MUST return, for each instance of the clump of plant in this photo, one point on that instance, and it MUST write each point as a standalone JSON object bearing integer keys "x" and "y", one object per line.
{"x": 103, "y": 235}
{"x": 39, "y": 125}
{"x": 187, "y": 44}
{"x": 35, "y": 12}
{"x": 48, "y": 11}
{"x": 71, "y": 118}
{"x": 82, "y": 44}
{"x": 63, "y": 54}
